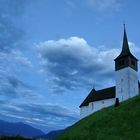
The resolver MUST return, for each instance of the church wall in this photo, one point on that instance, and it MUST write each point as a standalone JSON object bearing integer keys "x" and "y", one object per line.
{"x": 95, "y": 106}
{"x": 126, "y": 83}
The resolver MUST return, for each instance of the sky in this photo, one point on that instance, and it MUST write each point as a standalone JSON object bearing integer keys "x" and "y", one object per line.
{"x": 52, "y": 53}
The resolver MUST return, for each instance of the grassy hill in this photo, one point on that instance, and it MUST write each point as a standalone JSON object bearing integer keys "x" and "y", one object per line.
{"x": 113, "y": 123}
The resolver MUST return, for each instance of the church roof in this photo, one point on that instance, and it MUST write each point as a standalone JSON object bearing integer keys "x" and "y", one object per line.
{"x": 125, "y": 48}
{"x": 102, "y": 94}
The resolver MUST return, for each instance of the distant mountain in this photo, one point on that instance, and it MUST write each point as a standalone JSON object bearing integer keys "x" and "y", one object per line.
{"x": 14, "y": 129}
{"x": 51, "y": 135}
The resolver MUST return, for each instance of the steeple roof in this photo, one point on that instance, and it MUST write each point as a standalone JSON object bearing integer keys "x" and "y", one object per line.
{"x": 125, "y": 48}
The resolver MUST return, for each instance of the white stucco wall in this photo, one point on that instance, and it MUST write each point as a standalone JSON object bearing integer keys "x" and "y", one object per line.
{"x": 95, "y": 106}
{"x": 126, "y": 83}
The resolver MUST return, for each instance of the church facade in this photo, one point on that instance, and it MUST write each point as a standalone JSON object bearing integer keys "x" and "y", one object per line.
{"x": 127, "y": 84}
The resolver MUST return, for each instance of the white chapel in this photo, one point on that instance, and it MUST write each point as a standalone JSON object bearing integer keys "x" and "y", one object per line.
{"x": 127, "y": 84}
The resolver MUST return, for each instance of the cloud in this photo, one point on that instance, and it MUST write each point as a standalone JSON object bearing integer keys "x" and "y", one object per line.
{"x": 134, "y": 48}
{"x": 11, "y": 64}
{"x": 14, "y": 65}
{"x": 103, "y": 5}
{"x": 11, "y": 87}
{"x": 10, "y": 11}
{"x": 70, "y": 7}
{"x": 11, "y": 60}
{"x": 43, "y": 116}
{"x": 72, "y": 63}
{"x": 21, "y": 59}
{"x": 14, "y": 59}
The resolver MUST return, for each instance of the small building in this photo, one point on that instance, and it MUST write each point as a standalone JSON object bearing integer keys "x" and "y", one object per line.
{"x": 127, "y": 85}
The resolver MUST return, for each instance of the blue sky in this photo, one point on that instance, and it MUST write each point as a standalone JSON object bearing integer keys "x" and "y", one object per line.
{"x": 53, "y": 52}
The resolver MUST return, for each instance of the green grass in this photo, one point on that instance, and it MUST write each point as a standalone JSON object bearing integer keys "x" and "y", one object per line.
{"x": 112, "y": 123}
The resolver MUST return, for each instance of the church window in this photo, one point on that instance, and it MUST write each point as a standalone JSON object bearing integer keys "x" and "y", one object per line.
{"x": 121, "y": 90}
{"x": 122, "y": 97}
{"x": 102, "y": 104}
{"x": 133, "y": 62}
{"x": 121, "y": 62}
{"x": 92, "y": 106}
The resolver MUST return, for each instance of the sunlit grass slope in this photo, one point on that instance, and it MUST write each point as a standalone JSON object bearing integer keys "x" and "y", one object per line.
{"x": 113, "y": 123}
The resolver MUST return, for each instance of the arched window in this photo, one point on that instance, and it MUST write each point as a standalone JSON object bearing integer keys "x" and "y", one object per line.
{"x": 102, "y": 104}
{"x": 133, "y": 62}
{"x": 121, "y": 62}
{"x": 92, "y": 105}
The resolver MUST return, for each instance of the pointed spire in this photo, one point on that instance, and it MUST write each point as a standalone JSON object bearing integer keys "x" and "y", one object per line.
{"x": 125, "y": 47}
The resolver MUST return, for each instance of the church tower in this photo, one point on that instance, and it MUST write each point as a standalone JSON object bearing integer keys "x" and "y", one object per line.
{"x": 126, "y": 67}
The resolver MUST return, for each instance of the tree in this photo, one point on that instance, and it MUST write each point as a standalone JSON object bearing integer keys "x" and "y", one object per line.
{"x": 117, "y": 102}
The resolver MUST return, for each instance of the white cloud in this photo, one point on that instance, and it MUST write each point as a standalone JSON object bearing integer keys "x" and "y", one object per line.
{"x": 103, "y": 5}
{"x": 134, "y": 48}
{"x": 72, "y": 63}
{"x": 70, "y": 7}
{"x": 11, "y": 64}
{"x": 24, "y": 61}
{"x": 13, "y": 61}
